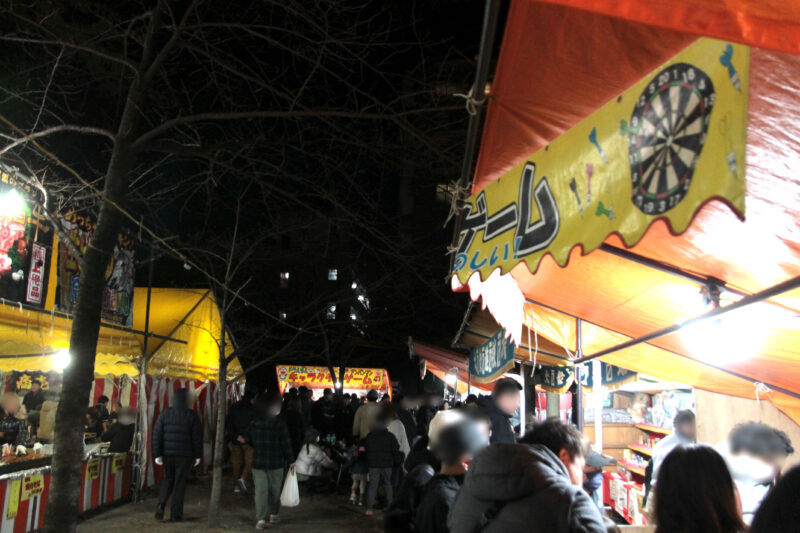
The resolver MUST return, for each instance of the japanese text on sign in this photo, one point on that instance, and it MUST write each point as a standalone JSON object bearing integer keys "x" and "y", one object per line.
{"x": 492, "y": 359}
{"x": 32, "y": 486}
{"x": 93, "y": 469}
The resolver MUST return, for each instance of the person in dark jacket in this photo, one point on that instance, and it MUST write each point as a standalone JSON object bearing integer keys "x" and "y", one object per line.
{"x": 405, "y": 416}
{"x": 293, "y": 416}
{"x": 458, "y": 444}
{"x": 426, "y": 413}
{"x": 323, "y": 415}
{"x": 239, "y": 418}
{"x": 272, "y": 451}
{"x": 528, "y": 488}
{"x": 177, "y": 444}
{"x": 120, "y": 433}
{"x": 34, "y": 398}
{"x": 382, "y": 452}
{"x": 500, "y": 408}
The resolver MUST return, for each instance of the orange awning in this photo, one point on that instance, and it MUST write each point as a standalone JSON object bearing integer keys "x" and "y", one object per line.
{"x": 557, "y": 65}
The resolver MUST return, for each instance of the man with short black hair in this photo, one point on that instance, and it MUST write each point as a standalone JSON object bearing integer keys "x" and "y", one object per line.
{"x": 533, "y": 487}
{"x": 502, "y": 405}
{"x": 457, "y": 444}
{"x": 685, "y": 432}
{"x": 366, "y": 416}
{"x": 755, "y": 454}
{"x": 323, "y": 415}
{"x": 35, "y": 398}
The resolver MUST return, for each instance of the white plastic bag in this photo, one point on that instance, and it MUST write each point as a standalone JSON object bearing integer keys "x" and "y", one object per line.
{"x": 290, "y": 495}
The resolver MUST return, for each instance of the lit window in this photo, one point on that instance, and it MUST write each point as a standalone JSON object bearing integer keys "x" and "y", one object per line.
{"x": 331, "y": 315}
{"x": 282, "y": 315}
{"x": 353, "y": 314}
{"x": 284, "y": 280}
{"x": 354, "y": 285}
{"x": 333, "y": 274}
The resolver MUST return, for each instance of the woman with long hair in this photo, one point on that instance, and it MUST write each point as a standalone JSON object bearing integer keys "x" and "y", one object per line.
{"x": 695, "y": 492}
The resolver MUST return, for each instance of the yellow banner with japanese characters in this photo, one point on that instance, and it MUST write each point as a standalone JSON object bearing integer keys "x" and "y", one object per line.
{"x": 662, "y": 149}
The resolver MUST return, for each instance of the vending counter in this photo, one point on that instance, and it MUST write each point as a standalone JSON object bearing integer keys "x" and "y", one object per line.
{"x": 105, "y": 479}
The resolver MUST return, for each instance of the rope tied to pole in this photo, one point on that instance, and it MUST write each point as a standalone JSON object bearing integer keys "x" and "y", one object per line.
{"x": 761, "y": 389}
{"x": 472, "y": 104}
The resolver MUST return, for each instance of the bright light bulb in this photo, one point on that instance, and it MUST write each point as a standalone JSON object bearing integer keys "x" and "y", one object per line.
{"x": 12, "y": 204}
{"x": 338, "y": 385}
{"x": 729, "y": 339}
{"x": 62, "y": 359}
{"x": 451, "y": 380}
{"x": 354, "y": 285}
{"x": 360, "y": 297}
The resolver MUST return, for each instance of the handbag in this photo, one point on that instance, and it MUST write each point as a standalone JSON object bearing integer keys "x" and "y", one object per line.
{"x": 290, "y": 495}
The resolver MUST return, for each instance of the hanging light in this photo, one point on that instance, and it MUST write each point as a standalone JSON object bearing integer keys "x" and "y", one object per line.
{"x": 62, "y": 359}
{"x": 12, "y": 204}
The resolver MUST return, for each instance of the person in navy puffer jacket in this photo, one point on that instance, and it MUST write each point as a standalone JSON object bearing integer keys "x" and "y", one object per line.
{"x": 177, "y": 443}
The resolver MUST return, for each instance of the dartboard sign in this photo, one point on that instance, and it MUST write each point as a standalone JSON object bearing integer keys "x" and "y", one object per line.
{"x": 667, "y": 132}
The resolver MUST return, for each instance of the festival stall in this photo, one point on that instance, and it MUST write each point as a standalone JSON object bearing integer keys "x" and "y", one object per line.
{"x": 38, "y": 289}
{"x": 356, "y": 380}
{"x": 635, "y": 199}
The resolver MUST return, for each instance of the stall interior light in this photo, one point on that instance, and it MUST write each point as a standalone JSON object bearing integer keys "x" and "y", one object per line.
{"x": 338, "y": 385}
{"x": 11, "y": 204}
{"x": 62, "y": 359}
{"x": 735, "y": 336}
{"x": 451, "y": 380}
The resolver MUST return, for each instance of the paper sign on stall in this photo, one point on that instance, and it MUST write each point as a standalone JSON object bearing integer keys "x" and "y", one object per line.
{"x": 118, "y": 464}
{"x": 93, "y": 469}
{"x": 13, "y": 497}
{"x": 32, "y": 486}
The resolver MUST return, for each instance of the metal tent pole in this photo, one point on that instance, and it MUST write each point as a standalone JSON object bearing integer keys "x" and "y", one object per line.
{"x": 140, "y": 457}
{"x": 577, "y": 371}
{"x": 490, "y": 16}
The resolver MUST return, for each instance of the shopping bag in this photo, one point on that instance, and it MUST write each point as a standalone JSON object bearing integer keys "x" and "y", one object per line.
{"x": 290, "y": 495}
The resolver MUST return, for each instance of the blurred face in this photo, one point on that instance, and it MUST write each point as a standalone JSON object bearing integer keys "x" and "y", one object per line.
{"x": 508, "y": 403}
{"x": 688, "y": 431}
{"x": 274, "y": 410}
{"x": 575, "y": 466}
{"x": 36, "y": 387}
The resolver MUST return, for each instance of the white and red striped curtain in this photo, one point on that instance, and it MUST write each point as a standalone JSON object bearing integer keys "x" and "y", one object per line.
{"x": 159, "y": 393}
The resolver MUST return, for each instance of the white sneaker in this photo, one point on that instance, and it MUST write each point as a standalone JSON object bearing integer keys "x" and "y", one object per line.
{"x": 274, "y": 519}
{"x": 353, "y": 499}
{"x": 241, "y": 484}
{"x": 261, "y": 525}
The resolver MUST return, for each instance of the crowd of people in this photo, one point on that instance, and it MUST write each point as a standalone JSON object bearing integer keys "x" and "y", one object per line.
{"x": 436, "y": 468}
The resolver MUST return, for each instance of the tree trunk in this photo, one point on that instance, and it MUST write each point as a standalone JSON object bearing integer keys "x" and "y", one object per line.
{"x": 219, "y": 438}
{"x": 61, "y": 514}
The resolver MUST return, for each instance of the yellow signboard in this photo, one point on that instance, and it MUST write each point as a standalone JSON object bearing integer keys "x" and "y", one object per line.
{"x": 118, "y": 463}
{"x": 666, "y": 146}
{"x": 319, "y": 377}
{"x": 32, "y": 486}
{"x": 93, "y": 469}
{"x": 13, "y": 498}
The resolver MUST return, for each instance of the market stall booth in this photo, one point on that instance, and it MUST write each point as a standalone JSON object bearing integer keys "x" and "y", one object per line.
{"x": 182, "y": 353}
{"x": 317, "y": 378}
{"x": 635, "y": 198}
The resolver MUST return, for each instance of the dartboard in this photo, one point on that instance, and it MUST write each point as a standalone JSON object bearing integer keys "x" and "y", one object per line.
{"x": 666, "y": 135}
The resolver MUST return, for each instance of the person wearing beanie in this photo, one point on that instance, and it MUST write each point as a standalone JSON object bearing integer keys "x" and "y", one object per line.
{"x": 456, "y": 445}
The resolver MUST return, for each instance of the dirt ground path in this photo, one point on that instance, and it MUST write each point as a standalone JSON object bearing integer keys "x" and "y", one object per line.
{"x": 329, "y": 513}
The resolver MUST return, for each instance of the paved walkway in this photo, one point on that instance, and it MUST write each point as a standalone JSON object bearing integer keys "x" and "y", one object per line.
{"x": 328, "y": 513}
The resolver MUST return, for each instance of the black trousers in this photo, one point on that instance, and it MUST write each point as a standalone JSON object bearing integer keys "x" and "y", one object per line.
{"x": 176, "y": 470}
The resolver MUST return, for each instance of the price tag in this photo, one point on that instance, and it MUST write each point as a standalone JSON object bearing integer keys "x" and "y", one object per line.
{"x": 32, "y": 486}
{"x": 93, "y": 469}
{"x": 118, "y": 464}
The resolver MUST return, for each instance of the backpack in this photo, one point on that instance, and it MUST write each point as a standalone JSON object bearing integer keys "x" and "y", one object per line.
{"x": 399, "y": 517}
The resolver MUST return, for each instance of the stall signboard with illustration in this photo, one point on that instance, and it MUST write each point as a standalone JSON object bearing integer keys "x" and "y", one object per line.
{"x": 559, "y": 379}
{"x": 118, "y": 294}
{"x": 319, "y": 377}
{"x": 666, "y": 146}
{"x": 489, "y": 361}
{"x": 26, "y": 242}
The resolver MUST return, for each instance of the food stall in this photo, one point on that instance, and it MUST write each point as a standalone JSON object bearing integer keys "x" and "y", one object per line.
{"x": 317, "y": 378}
{"x": 182, "y": 353}
{"x": 635, "y": 196}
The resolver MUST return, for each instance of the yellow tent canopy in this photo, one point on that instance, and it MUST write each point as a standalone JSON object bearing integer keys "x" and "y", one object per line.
{"x": 185, "y": 323}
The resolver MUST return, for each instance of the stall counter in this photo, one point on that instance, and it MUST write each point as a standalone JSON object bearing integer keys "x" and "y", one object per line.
{"x": 105, "y": 479}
